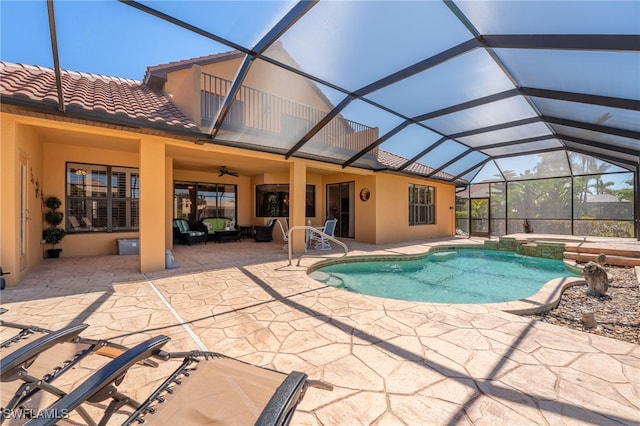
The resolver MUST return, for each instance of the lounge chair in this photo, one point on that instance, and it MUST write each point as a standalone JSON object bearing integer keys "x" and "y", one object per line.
{"x": 183, "y": 233}
{"x": 24, "y": 366}
{"x": 264, "y": 233}
{"x": 322, "y": 240}
{"x": 16, "y": 334}
{"x": 205, "y": 388}
{"x": 34, "y": 363}
{"x": 73, "y": 221}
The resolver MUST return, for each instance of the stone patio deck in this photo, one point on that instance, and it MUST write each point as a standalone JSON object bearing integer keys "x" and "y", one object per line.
{"x": 391, "y": 362}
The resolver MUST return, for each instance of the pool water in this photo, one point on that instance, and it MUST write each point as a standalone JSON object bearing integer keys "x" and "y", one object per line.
{"x": 460, "y": 276}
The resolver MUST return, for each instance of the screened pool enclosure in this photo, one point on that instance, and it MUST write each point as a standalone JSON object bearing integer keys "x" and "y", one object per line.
{"x": 550, "y": 193}
{"x": 531, "y": 108}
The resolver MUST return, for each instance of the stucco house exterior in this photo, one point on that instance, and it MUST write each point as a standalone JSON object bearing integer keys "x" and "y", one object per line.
{"x": 126, "y": 157}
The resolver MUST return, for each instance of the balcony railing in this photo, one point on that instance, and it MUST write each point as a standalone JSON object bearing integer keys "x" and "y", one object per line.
{"x": 260, "y": 112}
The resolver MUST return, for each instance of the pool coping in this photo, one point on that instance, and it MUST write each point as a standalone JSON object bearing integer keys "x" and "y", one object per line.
{"x": 547, "y": 298}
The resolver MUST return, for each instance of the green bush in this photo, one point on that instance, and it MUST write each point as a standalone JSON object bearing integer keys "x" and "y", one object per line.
{"x": 53, "y": 217}
{"x": 53, "y": 235}
{"x": 53, "y": 203}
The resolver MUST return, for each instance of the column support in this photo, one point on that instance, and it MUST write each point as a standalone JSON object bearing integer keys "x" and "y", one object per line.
{"x": 297, "y": 202}
{"x": 152, "y": 204}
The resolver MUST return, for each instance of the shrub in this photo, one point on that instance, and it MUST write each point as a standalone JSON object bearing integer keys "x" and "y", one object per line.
{"x": 53, "y": 235}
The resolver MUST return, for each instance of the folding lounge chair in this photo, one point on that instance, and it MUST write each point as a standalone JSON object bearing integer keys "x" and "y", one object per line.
{"x": 13, "y": 334}
{"x": 23, "y": 365}
{"x": 205, "y": 388}
{"x": 35, "y": 363}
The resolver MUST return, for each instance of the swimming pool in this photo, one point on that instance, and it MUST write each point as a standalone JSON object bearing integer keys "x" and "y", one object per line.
{"x": 453, "y": 276}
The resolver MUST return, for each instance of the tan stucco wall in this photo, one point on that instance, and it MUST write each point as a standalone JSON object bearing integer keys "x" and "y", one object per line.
{"x": 184, "y": 85}
{"x": 185, "y": 92}
{"x": 28, "y": 149}
{"x": 392, "y": 210}
{"x": 366, "y": 213}
{"x": 272, "y": 79}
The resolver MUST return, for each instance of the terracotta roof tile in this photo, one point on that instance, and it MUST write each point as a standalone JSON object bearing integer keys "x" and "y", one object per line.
{"x": 394, "y": 161}
{"x": 99, "y": 96}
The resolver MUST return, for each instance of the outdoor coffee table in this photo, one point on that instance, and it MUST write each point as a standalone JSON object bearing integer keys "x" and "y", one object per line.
{"x": 221, "y": 236}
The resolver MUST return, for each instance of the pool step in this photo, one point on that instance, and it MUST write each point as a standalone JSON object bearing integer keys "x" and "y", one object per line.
{"x": 615, "y": 256}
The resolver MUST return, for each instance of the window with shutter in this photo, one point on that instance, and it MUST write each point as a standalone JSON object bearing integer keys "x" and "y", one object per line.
{"x": 421, "y": 205}
{"x": 102, "y": 198}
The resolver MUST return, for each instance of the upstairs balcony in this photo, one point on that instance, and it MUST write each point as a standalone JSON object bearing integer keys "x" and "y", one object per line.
{"x": 260, "y": 118}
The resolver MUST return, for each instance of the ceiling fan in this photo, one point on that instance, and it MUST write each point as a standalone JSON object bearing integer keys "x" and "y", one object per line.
{"x": 225, "y": 171}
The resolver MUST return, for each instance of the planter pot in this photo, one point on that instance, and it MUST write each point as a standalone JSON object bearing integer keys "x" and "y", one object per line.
{"x": 53, "y": 253}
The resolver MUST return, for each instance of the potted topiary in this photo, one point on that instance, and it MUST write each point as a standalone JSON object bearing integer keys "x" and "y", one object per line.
{"x": 53, "y": 235}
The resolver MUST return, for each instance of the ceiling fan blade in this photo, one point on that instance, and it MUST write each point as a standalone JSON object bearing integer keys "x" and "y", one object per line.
{"x": 225, "y": 171}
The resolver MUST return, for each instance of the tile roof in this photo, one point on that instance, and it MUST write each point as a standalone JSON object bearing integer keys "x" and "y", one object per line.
{"x": 394, "y": 161}
{"x": 118, "y": 100}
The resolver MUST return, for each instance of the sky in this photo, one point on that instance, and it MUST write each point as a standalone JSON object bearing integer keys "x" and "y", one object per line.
{"x": 112, "y": 38}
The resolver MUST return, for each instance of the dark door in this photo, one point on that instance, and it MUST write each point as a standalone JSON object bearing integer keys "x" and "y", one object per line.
{"x": 340, "y": 204}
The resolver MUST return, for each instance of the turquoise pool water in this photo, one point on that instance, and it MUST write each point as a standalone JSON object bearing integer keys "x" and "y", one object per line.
{"x": 460, "y": 276}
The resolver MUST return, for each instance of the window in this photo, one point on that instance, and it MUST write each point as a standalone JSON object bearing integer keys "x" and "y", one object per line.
{"x": 272, "y": 200}
{"x": 422, "y": 205}
{"x": 195, "y": 201}
{"x": 102, "y": 198}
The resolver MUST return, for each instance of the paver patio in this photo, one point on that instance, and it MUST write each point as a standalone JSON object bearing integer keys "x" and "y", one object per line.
{"x": 390, "y": 361}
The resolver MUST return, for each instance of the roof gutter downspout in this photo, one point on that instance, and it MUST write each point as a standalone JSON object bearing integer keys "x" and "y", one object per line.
{"x": 56, "y": 61}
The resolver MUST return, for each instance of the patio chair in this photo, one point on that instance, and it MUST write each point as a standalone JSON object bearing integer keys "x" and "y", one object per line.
{"x": 35, "y": 363}
{"x": 73, "y": 221}
{"x": 264, "y": 233}
{"x": 285, "y": 233}
{"x": 183, "y": 233}
{"x": 14, "y": 335}
{"x": 204, "y": 388}
{"x": 24, "y": 366}
{"x": 328, "y": 230}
